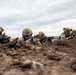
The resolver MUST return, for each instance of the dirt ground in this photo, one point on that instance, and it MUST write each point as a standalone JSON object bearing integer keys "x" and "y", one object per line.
{"x": 57, "y": 58}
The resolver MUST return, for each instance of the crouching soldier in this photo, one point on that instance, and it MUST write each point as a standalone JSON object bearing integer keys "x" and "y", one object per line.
{"x": 39, "y": 39}
{"x": 41, "y": 36}
{"x": 65, "y": 34}
{"x": 26, "y": 36}
{"x": 3, "y": 38}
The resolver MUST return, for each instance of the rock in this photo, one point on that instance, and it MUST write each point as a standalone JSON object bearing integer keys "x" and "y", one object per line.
{"x": 36, "y": 65}
{"x": 32, "y": 65}
{"x": 54, "y": 56}
{"x": 73, "y": 64}
{"x": 26, "y": 64}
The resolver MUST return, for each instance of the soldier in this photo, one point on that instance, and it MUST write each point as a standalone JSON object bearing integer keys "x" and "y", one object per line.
{"x": 26, "y": 36}
{"x": 3, "y": 38}
{"x": 65, "y": 34}
{"x": 39, "y": 39}
{"x": 1, "y": 30}
{"x": 42, "y": 37}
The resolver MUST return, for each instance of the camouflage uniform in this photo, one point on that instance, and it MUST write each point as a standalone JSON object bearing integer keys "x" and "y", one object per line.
{"x": 41, "y": 36}
{"x": 26, "y": 36}
{"x": 35, "y": 41}
{"x": 65, "y": 34}
{"x": 1, "y": 30}
{"x": 3, "y": 38}
{"x": 41, "y": 33}
{"x": 73, "y": 33}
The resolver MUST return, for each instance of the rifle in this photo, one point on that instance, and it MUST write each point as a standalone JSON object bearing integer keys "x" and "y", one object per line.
{"x": 50, "y": 39}
{"x": 4, "y": 39}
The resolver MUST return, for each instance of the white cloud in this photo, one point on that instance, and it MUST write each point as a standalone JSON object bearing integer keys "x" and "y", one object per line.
{"x": 6, "y": 12}
{"x": 49, "y": 16}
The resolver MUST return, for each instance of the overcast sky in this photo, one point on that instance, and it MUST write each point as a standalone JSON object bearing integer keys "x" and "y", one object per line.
{"x": 49, "y": 16}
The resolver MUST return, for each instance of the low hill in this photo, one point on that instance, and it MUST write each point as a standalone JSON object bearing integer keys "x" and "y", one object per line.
{"x": 58, "y": 58}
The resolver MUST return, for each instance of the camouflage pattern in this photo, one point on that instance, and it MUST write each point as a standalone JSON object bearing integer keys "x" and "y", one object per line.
{"x": 43, "y": 39}
{"x": 41, "y": 36}
{"x": 3, "y": 37}
{"x": 1, "y": 29}
{"x": 26, "y": 36}
{"x": 13, "y": 39}
{"x": 41, "y": 33}
{"x": 21, "y": 39}
{"x": 36, "y": 41}
{"x": 27, "y": 31}
{"x": 66, "y": 33}
{"x": 66, "y": 29}
{"x": 73, "y": 33}
{"x": 62, "y": 35}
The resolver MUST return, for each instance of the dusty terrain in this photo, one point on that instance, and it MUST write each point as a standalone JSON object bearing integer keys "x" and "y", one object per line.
{"x": 58, "y": 58}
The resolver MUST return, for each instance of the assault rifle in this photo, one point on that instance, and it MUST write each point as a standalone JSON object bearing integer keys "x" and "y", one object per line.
{"x": 4, "y": 39}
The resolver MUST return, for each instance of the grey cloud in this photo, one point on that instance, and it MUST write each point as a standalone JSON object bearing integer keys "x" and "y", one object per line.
{"x": 8, "y": 20}
{"x": 44, "y": 16}
{"x": 69, "y": 6}
{"x": 14, "y": 19}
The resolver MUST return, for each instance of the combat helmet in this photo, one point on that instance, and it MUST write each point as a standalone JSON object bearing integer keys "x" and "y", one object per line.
{"x": 1, "y": 29}
{"x": 27, "y": 31}
{"x": 66, "y": 29}
{"x": 41, "y": 33}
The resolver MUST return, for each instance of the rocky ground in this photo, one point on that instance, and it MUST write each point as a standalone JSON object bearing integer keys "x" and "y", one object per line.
{"x": 58, "y": 58}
